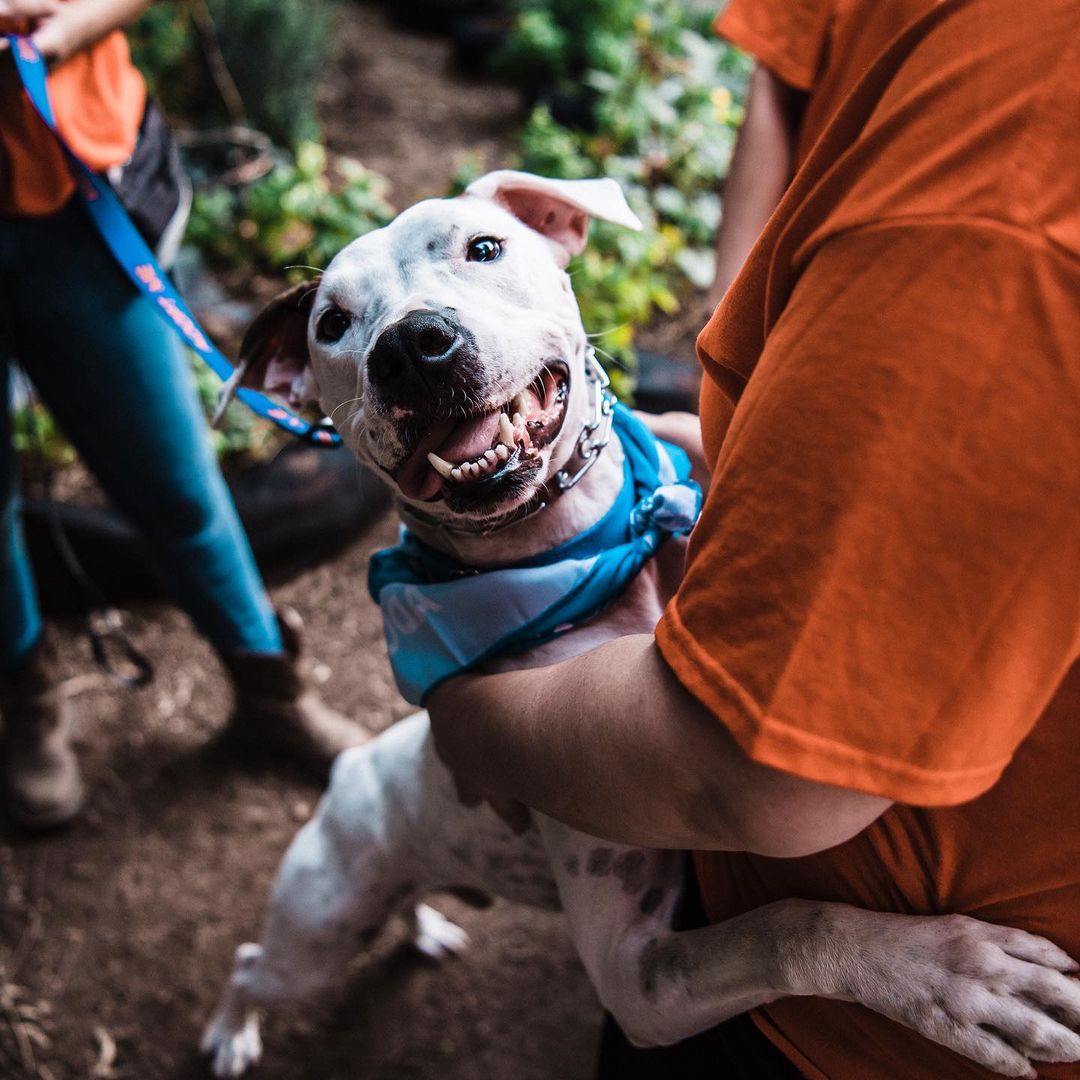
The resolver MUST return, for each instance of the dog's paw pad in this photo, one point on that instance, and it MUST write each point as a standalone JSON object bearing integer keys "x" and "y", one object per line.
{"x": 234, "y": 1050}
{"x": 436, "y": 936}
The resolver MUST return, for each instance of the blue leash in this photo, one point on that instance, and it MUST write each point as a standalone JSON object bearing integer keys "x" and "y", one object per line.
{"x": 137, "y": 260}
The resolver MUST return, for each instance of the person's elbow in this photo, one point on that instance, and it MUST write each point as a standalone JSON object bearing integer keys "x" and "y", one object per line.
{"x": 768, "y": 812}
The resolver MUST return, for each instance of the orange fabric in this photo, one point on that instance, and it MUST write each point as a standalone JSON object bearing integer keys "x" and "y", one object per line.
{"x": 820, "y": 46}
{"x": 882, "y": 593}
{"x": 98, "y": 98}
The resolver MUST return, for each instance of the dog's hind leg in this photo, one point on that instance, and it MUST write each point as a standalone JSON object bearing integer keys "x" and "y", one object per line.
{"x": 345, "y": 873}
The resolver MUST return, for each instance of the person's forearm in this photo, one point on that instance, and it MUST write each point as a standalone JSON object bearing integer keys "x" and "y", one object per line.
{"x": 762, "y": 165}
{"x": 612, "y": 744}
{"x": 79, "y": 24}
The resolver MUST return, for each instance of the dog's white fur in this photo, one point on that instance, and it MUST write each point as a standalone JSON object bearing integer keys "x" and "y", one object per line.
{"x": 390, "y": 829}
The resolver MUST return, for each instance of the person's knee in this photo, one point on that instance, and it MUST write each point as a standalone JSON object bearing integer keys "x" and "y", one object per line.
{"x": 187, "y": 510}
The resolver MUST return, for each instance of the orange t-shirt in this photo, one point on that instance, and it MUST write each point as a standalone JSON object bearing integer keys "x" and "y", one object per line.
{"x": 822, "y": 47}
{"x": 883, "y": 593}
{"x": 98, "y": 98}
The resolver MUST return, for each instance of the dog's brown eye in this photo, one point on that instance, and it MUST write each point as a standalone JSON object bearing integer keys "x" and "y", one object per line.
{"x": 332, "y": 325}
{"x": 483, "y": 249}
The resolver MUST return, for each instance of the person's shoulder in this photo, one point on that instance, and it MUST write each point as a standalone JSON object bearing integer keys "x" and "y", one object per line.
{"x": 789, "y": 37}
{"x": 972, "y": 113}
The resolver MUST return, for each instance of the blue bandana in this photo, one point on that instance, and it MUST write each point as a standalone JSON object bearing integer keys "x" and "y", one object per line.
{"x": 442, "y": 618}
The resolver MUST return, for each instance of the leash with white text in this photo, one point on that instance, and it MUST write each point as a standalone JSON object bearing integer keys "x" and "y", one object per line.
{"x": 137, "y": 260}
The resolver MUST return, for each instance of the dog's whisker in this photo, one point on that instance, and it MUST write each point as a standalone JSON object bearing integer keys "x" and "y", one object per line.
{"x": 341, "y": 405}
{"x": 302, "y": 266}
{"x": 620, "y": 364}
{"x": 606, "y": 333}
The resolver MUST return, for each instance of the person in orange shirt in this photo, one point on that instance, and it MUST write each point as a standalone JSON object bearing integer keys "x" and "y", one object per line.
{"x": 119, "y": 384}
{"x": 867, "y": 688}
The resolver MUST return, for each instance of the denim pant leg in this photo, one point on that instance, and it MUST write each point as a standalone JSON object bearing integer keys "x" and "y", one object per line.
{"x": 20, "y": 617}
{"x": 119, "y": 384}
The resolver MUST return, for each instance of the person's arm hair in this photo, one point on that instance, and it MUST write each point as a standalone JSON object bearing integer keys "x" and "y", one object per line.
{"x": 762, "y": 165}
{"x": 611, "y": 743}
{"x": 78, "y": 24}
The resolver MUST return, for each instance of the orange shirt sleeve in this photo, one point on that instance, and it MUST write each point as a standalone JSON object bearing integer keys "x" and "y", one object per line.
{"x": 788, "y": 36}
{"x": 882, "y": 591}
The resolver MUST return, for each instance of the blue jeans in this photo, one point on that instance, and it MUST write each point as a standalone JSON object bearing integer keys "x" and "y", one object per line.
{"x": 118, "y": 383}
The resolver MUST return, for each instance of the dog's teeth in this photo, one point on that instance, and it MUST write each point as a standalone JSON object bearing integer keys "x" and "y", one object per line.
{"x": 518, "y": 420}
{"x": 474, "y": 470}
{"x": 455, "y": 474}
{"x": 521, "y": 405}
{"x": 443, "y": 468}
{"x": 502, "y": 451}
{"x": 490, "y": 457}
{"x": 506, "y": 429}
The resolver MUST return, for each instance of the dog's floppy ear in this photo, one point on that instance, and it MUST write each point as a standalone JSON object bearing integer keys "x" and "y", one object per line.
{"x": 557, "y": 209}
{"x": 274, "y": 353}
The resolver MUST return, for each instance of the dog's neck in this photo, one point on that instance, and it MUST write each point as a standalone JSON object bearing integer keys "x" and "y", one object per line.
{"x": 562, "y": 519}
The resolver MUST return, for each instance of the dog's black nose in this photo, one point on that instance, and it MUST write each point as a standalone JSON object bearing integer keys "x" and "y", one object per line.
{"x": 421, "y": 342}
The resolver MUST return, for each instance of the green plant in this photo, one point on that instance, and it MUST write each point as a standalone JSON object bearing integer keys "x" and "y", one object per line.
{"x": 35, "y": 434}
{"x": 300, "y": 214}
{"x": 665, "y": 97}
{"x": 241, "y": 435}
{"x": 259, "y": 41}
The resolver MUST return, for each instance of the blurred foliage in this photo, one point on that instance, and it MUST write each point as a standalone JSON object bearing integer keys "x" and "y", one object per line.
{"x": 664, "y": 97}
{"x": 35, "y": 434}
{"x": 275, "y": 51}
{"x": 302, "y": 213}
{"x": 241, "y": 435}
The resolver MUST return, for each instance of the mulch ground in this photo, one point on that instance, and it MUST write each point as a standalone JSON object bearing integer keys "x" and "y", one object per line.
{"x": 115, "y": 935}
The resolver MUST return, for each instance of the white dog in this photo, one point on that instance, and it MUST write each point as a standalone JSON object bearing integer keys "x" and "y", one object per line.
{"x": 449, "y": 349}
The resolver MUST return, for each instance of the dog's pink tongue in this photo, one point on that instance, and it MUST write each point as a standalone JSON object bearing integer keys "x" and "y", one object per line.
{"x": 455, "y": 441}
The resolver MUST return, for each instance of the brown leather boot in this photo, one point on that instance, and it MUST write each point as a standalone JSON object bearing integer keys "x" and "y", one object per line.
{"x": 42, "y": 785}
{"x": 278, "y": 712}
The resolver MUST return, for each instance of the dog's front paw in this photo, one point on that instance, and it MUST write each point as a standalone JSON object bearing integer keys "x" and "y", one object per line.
{"x": 1000, "y": 996}
{"x": 234, "y": 1045}
{"x": 435, "y": 935}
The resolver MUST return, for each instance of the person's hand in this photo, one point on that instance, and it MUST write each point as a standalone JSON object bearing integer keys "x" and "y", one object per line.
{"x": 22, "y": 16}
{"x": 64, "y": 32}
{"x": 447, "y": 716}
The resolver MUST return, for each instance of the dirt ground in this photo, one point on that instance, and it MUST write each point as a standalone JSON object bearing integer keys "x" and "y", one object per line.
{"x": 115, "y": 936}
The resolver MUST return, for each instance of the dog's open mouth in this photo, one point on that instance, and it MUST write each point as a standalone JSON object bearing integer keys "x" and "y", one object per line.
{"x": 482, "y": 458}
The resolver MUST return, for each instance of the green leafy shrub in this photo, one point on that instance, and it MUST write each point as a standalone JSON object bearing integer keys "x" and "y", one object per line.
{"x": 665, "y": 96}
{"x": 275, "y": 51}
{"x": 34, "y": 433}
{"x": 242, "y": 435}
{"x": 300, "y": 214}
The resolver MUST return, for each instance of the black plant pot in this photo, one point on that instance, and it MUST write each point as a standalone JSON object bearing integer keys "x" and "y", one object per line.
{"x": 300, "y": 509}
{"x": 667, "y": 383}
